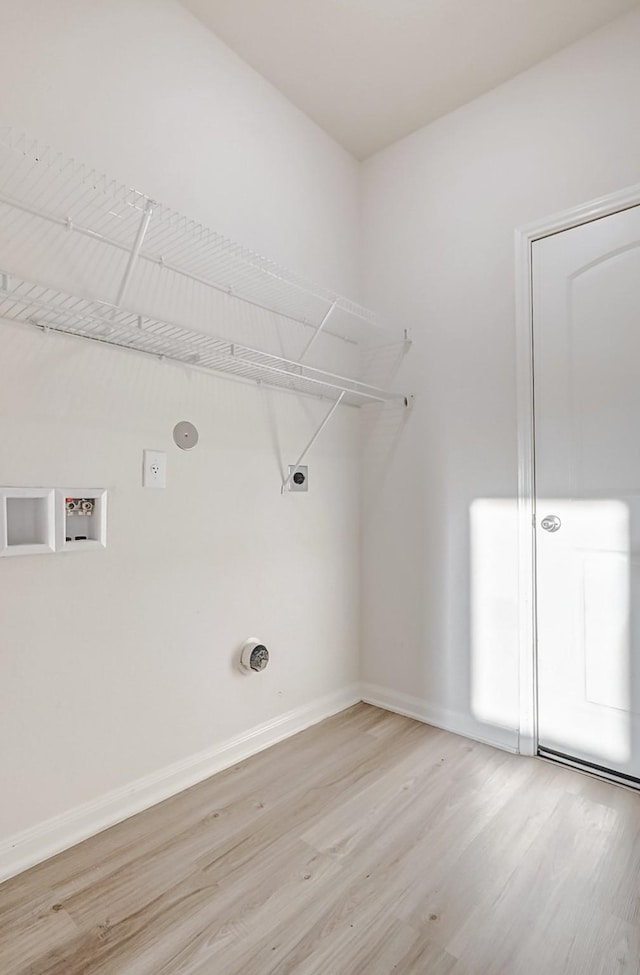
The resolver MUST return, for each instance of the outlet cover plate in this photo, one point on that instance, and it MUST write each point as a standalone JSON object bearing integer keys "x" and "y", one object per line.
{"x": 154, "y": 469}
{"x": 299, "y": 480}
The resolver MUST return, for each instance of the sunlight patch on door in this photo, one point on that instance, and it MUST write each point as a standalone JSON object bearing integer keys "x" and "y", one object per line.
{"x": 607, "y": 636}
{"x": 584, "y": 604}
{"x": 494, "y": 611}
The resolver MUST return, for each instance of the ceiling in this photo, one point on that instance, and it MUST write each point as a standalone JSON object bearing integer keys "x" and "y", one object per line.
{"x": 372, "y": 71}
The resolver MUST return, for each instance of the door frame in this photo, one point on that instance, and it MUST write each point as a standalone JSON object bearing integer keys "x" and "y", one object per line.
{"x": 527, "y": 627}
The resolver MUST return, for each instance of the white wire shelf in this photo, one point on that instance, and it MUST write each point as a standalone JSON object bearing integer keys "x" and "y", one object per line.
{"x": 90, "y": 257}
{"x": 34, "y": 304}
{"x": 39, "y": 186}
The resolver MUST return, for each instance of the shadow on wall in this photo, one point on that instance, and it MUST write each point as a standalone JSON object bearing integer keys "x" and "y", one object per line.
{"x": 382, "y": 424}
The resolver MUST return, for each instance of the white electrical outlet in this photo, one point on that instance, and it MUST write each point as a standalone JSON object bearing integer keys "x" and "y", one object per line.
{"x": 154, "y": 469}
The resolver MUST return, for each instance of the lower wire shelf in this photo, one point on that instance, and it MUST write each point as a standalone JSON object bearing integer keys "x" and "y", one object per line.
{"x": 35, "y": 304}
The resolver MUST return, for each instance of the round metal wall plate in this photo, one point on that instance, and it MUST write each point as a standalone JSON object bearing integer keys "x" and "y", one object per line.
{"x": 185, "y": 435}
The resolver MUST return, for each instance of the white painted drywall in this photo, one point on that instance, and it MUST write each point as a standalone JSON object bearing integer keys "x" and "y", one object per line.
{"x": 116, "y": 664}
{"x": 140, "y": 89}
{"x": 396, "y": 65}
{"x": 440, "y": 209}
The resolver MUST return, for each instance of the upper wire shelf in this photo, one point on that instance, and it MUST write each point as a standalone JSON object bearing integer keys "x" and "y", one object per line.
{"x": 42, "y": 183}
{"x": 85, "y": 255}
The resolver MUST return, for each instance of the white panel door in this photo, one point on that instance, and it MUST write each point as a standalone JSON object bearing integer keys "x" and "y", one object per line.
{"x": 586, "y": 312}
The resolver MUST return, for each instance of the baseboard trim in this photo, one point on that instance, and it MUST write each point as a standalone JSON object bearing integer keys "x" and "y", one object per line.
{"x": 45, "y": 840}
{"x": 40, "y": 842}
{"x": 439, "y": 717}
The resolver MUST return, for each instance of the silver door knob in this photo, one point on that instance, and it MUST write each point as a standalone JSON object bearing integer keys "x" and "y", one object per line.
{"x": 551, "y": 523}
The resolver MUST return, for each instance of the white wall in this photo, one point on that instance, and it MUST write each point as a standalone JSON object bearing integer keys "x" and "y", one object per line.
{"x": 440, "y": 208}
{"x": 116, "y": 664}
{"x": 140, "y": 89}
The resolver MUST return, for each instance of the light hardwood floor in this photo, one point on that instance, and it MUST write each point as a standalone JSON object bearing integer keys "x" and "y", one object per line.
{"x": 367, "y": 845}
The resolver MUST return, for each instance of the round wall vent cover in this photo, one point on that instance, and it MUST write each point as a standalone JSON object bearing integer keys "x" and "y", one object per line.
{"x": 185, "y": 435}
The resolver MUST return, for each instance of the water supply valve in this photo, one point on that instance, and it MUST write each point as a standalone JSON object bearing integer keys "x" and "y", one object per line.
{"x": 79, "y": 506}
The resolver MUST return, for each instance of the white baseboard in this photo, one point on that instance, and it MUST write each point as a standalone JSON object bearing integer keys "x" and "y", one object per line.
{"x": 38, "y": 843}
{"x": 434, "y": 714}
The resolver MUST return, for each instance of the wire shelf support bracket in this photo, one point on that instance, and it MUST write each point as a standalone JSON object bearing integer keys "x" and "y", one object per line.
{"x": 285, "y": 483}
{"x": 135, "y": 251}
{"x": 316, "y": 334}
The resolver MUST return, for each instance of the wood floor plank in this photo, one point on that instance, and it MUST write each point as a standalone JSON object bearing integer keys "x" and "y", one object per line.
{"x": 42, "y": 926}
{"x": 367, "y": 844}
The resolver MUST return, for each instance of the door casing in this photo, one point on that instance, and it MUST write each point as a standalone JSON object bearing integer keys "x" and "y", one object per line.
{"x": 527, "y": 636}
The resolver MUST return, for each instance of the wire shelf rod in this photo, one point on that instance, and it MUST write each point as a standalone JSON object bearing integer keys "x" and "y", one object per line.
{"x": 226, "y": 364}
{"x": 63, "y": 222}
{"x": 103, "y": 322}
{"x": 161, "y": 261}
{"x": 248, "y": 301}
